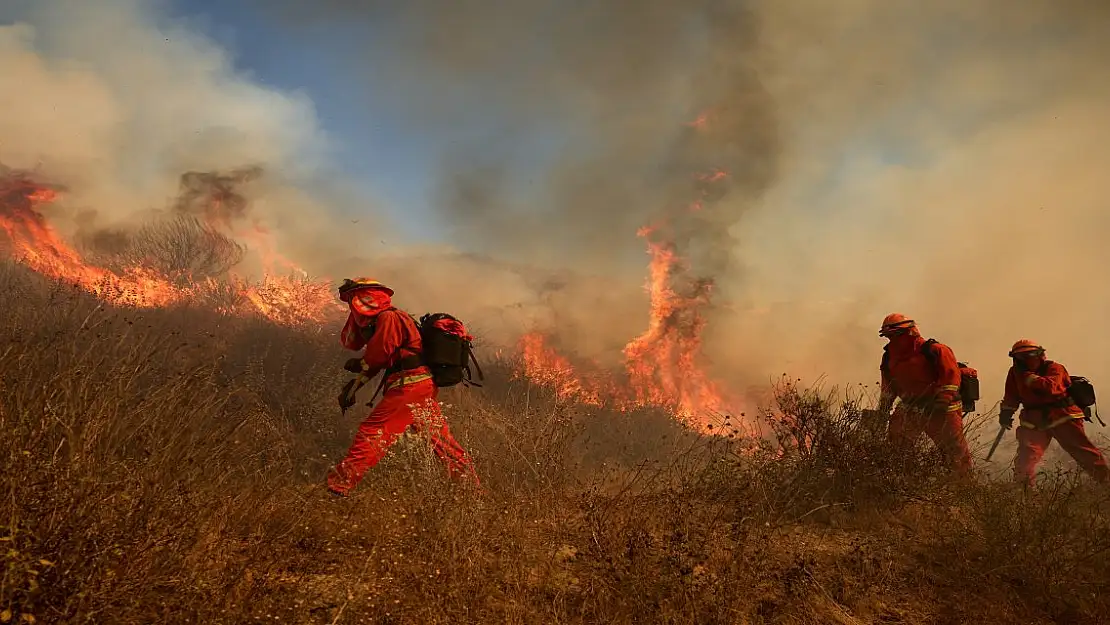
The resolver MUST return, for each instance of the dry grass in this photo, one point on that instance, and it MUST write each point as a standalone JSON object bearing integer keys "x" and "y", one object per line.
{"x": 166, "y": 466}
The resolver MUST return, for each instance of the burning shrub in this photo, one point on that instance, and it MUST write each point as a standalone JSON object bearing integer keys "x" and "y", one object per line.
{"x": 181, "y": 247}
{"x": 182, "y": 261}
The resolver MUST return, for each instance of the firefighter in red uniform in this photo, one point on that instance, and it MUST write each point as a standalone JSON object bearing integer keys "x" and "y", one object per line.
{"x": 409, "y": 395}
{"x": 1040, "y": 387}
{"x": 927, "y": 385}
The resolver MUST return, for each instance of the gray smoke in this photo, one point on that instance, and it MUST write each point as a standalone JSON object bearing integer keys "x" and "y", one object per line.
{"x": 946, "y": 159}
{"x": 116, "y": 101}
{"x": 604, "y": 92}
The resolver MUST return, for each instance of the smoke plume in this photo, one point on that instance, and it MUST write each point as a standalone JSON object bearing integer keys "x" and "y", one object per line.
{"x": 946, "y": 160}
{"x": 567, "y": 128}
{"x": 116, "y": 102}
{"x": 942, "y": 159}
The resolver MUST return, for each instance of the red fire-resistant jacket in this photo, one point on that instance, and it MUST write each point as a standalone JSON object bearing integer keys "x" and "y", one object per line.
{"x": 395, "y": 336}
{"x": 913, "y": 378}
{"x": 1043, "y": 394}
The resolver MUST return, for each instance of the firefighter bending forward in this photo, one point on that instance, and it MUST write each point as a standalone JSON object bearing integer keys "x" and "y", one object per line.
{"x": 392, "y": 344}
{"x": 927, "y": 386}
{"x": 1040, "y": 387}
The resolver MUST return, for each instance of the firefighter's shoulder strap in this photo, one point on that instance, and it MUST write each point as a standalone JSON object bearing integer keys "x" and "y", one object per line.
{"x": 411, "y": 361}
{"x": 929, "y": 351}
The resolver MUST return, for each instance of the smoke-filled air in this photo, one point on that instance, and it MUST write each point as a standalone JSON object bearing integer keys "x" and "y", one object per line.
{"x": 656, "y": 202}
{"x": 332, "y": 312}
{"x": 801, "y": 168}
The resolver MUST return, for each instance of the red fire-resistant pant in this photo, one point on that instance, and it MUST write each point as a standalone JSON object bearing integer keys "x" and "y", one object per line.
{"x": 946, "y": 430}
{"x": 399, "y": 408}
{"x": 1072, "y": 437}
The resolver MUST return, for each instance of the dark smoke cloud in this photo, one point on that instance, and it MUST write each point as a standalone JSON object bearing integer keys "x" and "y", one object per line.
{"x": 606, "y": 91}
{"x": 215, "y": 195}
{"x": 885, "y": 155}
{"x": 560, "y": 128}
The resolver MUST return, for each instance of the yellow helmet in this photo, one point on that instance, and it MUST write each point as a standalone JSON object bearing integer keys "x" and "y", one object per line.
{"x": 351, "y": 285}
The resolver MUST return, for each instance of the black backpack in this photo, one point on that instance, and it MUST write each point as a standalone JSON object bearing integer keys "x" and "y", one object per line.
{"x": 448, "y": 354}
{"x": 969, "y": 377}
{"x": 1082, "y": 392}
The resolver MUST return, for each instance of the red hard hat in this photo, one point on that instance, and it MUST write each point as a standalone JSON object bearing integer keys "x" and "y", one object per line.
{"x": 1026, "y": 347}
{"x": 895, "y": 324}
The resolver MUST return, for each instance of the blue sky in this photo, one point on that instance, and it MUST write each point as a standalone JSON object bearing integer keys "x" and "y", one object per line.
{"x": 392, "y": 163}
{"x": 392, "y": 159}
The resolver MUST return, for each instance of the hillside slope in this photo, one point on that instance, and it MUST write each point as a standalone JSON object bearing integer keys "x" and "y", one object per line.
{"x": 166, "y": 466}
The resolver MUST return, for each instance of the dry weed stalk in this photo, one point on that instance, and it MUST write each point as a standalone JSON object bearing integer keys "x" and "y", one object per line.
{"x": 166, "y": 466}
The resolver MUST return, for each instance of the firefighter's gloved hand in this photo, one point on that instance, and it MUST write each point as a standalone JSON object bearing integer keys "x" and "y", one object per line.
{"x": 354, "y": 365}
{"x": 347, "y": 396}
{"x": 1006, "y": 418}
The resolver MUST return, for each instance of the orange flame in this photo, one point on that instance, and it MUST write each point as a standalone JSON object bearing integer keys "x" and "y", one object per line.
{"x": 661, "y": 366}
{"x": 700, "y": 122}
{"x": 39, "y": 246}
{"x": 662, "y": 362}
{"x": 283, "y": 300}
{"x": 544, "y": 366}
{"x": 714, "y": 176}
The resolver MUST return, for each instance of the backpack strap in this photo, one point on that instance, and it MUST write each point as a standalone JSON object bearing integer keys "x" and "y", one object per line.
{"x": 466, "y": 368}
{"x": 928, "y": 349}
{"x": 415, "y": 358}
{"x": 412, "y": 361}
